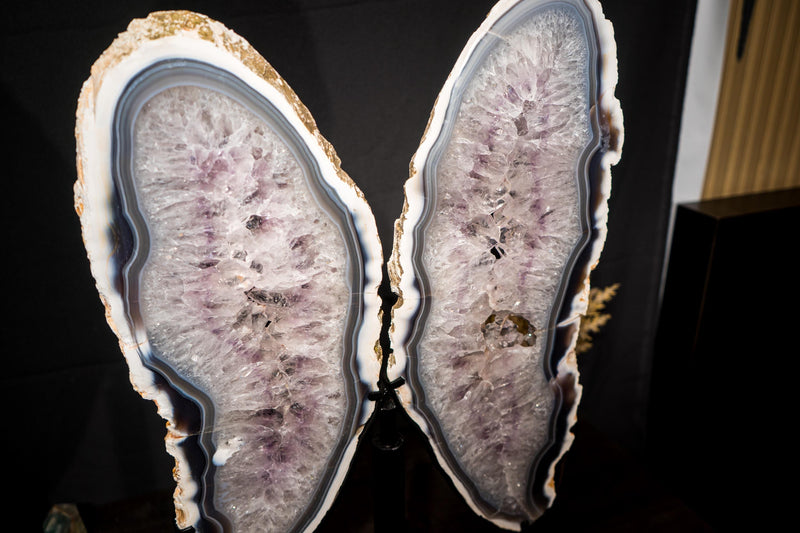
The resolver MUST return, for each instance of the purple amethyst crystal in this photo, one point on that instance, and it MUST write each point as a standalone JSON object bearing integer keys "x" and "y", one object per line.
{"x": 505, "y": 218}
{"x": 239, "y": 266}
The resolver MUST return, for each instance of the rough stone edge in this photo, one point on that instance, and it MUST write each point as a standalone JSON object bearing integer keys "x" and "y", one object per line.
{"x": 400, "y": 266}
{"x": 156, "y": 26}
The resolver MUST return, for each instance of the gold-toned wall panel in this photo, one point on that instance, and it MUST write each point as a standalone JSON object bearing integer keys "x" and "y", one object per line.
{"x": 756, "y": 142}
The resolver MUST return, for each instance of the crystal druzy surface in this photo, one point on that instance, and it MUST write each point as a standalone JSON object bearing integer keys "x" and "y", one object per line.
{"x": 505, "y": 224}
{"x": 255, "y": 269}
{"x": 239, "y": 267}
{"x": 505, "y": 210}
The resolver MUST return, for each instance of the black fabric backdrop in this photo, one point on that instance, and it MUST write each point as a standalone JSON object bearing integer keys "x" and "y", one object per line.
{"x": 369, "y": 72}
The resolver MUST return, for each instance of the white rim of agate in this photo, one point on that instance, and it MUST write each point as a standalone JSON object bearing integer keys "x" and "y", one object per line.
{"x": 401, "y": 260}
{"x": 94, "y": 196}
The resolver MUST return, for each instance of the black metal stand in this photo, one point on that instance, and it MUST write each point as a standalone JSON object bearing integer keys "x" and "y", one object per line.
{"x": 388, "y": 460}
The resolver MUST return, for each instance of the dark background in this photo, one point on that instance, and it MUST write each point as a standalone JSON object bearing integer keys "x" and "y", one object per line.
{"x": 369, "y": 71}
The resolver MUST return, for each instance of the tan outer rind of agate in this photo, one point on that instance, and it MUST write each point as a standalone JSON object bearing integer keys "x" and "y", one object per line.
{"x": 400, "y": 266}
{"x": 91, "y": 205}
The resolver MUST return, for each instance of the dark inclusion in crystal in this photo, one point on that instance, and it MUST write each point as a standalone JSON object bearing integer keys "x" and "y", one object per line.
{"x": 506, "y": 329}
{"x": 254, "y": 222}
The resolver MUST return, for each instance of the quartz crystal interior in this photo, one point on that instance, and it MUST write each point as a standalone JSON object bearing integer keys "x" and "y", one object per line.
{"x": 505, "y": 217}
{"x": 238, "y": 264}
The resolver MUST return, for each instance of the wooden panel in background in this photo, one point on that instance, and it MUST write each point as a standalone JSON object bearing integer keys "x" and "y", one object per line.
{"x": 756, "y": 143}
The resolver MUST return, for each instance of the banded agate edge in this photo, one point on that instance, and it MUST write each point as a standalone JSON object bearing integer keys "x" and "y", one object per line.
{"x": 280, "y": 218}
{"x": 504, "y": 219}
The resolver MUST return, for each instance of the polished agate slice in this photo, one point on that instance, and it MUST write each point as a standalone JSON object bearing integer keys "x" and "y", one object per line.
{"x": 238, "y": 265}
{"x": 505, "y": 217}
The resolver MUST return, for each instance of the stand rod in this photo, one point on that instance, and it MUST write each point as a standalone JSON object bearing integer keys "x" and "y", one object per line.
{"x": 388, "y": 474}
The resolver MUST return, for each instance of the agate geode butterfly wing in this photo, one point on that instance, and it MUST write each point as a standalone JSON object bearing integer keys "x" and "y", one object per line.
{"x": 239, "y": 264}
{"x": 505, "y": 217}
